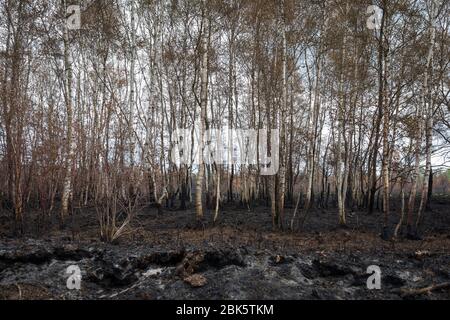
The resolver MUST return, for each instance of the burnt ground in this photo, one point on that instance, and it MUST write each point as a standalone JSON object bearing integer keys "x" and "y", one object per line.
{"x": 165, "y": 256}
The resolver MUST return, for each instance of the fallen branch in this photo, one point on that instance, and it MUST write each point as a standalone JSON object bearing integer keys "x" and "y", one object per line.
{"x": 20, "y": 291}
{"x": 415, "y": 292}
{"x": 139, "y": 282}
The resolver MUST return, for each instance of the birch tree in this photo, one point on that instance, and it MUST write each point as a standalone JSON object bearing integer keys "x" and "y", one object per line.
{"x": 70, "y": 143}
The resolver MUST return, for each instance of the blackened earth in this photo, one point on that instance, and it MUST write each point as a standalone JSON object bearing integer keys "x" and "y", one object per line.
{"x": 240, "y": 257}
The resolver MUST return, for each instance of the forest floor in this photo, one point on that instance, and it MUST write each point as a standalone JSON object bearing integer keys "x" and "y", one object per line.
{"x": 241, "y": 257}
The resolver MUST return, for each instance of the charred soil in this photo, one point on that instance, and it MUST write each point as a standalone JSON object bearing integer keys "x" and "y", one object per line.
{"x": 167, "y": 256}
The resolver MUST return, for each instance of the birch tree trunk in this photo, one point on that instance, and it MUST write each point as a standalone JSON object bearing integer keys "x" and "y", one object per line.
{"x": 203, "y": 106}
{"x": 340, "y": 180}
{"x": 386, "y": 125}
{"x": 415, "y": 175}
{"x": 313, "y": 124}
{"x": 282, "y": 169}
{"x": 428, "y": 111}
{"x": 402, "y": 210}
{"x": 373, "y": 173}
{"x": 132, "y": 83}
{"x": 67, "y": 187}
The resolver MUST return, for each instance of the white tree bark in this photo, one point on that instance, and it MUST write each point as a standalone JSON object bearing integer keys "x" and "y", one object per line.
{"x": 70, "y": 146}
{"x": 428, "y": 109}
{"x": 203, "y": 106}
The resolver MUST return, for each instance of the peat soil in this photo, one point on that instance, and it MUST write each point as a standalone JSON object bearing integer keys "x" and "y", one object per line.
{"x": 166, "y": 256}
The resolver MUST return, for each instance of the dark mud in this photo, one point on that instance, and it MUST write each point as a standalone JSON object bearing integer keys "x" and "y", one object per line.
{"x": 165, "y": 257}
